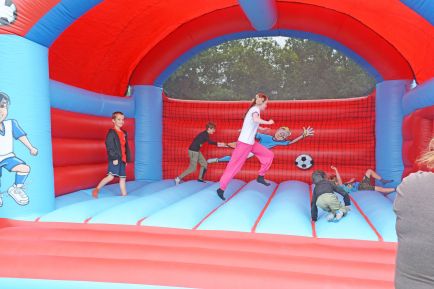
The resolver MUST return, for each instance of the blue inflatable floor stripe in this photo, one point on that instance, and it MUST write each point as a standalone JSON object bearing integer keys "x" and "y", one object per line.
{"x": 241, "y": 212}
{"x": 187, "y": 213}
{"x": 379, "y": 210}
{"x": 289, "y": 211}
{"x": 107, "y": 191}
{"x": 142, "y": 207}
{"x": 353, "y": 226}
{"x": 79, "y": 212}
{"x": 64, "y": 284}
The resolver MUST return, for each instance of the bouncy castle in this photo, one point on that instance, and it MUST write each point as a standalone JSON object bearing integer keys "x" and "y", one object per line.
{"x": 65, "y": 68}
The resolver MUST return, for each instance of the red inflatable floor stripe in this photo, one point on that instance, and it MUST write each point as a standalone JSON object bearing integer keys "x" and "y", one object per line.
{"x": 312, "y": 222}
{"x": 216, "y": 208}
{"x": 264, "y": 209}
{"x": 380, "y": 238}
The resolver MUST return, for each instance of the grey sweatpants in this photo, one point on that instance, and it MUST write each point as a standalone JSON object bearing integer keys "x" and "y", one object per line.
{"x": 195, "y": 157}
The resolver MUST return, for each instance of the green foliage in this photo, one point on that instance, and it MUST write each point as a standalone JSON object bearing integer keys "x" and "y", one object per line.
{"x": 299, "y": 69}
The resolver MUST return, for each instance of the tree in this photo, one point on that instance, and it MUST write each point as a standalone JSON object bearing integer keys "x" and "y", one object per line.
{"x": 299, "y": 69}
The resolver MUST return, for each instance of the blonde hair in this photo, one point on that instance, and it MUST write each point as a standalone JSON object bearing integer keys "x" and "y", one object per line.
{"x": 427, "y": 158}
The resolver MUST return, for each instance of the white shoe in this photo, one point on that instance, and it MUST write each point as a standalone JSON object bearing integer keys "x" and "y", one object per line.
{"x": 330, "y": 217}
{"x": 339, "y": 215}
{"x": 19, "y": 195}
{"x": 213, "y": 160}
{"x": 177, "y": 181}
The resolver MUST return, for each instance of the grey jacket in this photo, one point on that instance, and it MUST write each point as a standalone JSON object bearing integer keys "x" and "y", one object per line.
{"x": 414, "y": 208}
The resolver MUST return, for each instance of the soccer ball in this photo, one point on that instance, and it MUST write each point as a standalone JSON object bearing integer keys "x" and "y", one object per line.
{"x": 304, "y": 162}
{"x": 8, "y": 12}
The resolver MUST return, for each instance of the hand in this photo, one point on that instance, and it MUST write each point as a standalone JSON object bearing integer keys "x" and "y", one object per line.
{"x": 115, "y": 162}
{"x": 271, "y": 121}
{"x": 308, "y": 131}
{"x": 33, "y": 151}
{"x": 333, "y": 168}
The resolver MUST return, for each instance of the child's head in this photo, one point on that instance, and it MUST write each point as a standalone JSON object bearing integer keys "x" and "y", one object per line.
{"x": 427, "y": 158}
{"x": 261, "y": 100}
{"x": 210, "y": 128}
{"x": 4, "y": 104}
{"x": 318, "y": 176}
{"x": 118, "y": 119}
{"x": 282, "y": 133}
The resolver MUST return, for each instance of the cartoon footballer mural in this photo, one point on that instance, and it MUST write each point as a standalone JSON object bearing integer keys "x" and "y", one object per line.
{"x": 9, "y": 130}
{"x": 280, "y": 138}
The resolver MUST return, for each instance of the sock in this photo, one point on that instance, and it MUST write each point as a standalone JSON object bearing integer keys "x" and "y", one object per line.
{"x": 20, "y": 178}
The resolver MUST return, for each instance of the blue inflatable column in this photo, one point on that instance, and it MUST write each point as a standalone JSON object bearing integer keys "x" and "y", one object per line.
{"x": 26, "y": 128}
{"x": 149, "y": 129}
{"x": 262, "y": 14}
{"x": 388, "y": 129}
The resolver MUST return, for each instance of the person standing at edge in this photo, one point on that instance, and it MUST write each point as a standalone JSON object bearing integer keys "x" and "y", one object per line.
{"x": 414, "y": 208}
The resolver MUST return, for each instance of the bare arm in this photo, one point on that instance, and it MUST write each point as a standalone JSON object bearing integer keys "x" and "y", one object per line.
{"x": 257, "y": 119}
{"x": 26, "y": 142}
{"x": 338, "y": 176}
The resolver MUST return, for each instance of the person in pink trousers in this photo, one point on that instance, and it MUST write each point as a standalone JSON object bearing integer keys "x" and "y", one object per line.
{"x": 246, "y": 144}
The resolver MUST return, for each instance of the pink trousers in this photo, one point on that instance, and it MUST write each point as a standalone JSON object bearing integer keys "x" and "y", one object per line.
{"x": 238, "y": 158}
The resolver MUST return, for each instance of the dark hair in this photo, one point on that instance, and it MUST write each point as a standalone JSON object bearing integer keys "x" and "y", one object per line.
{"x": 210, "y": 125}
{"x": 318, "y": 176}
{"x": 116, "y": 113}
{"x": 5, "y": 96}
{"x": 253, "y": 103}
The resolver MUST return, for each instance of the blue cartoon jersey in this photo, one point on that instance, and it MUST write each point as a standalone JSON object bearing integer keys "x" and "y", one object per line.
{"x": 9, "y": 130}
{"x": 269, "y": 142}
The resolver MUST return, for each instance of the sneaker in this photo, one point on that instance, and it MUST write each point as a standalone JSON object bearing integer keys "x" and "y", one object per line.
{"x": 177, "y": 181}
{"x": 330, "y": 217}
{"x": 220, "y": 193}
{"x": 339, "y": 215}
{"x": 95, "y": 193}
{"x": 19, "y": 195}
{"x": 202, "y": 181}
{"x": 261, "y": 180}
{"x": 213, "y": 160}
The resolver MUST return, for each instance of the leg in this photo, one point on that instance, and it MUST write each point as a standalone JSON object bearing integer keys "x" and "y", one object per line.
{"x": 371, "y": 173}
{"x": 122, "y": 185}
{"x": 239, "y": 156}
{"x": 265, "y": 157}
{"x": 105, "y": 181}
{"x": 101, "y": 184}
{"x": 194, "y": 156}
{"x": 337, "y": 208}
{"x": 203, "y": 166}
{"x": 323, "y": 202}
{"x": 22, "y": 171}
{"x": 17, "y": 191}
{"x": 384, "y": 191}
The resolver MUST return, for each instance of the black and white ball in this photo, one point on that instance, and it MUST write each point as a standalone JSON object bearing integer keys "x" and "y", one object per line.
{"x": 304, "y": 162}
{"x": 8, "y": 12}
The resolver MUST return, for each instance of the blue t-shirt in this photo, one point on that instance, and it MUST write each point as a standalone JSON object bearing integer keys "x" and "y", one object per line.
{"x": 269, "y": 142}
{"x": 353, "y": 189}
